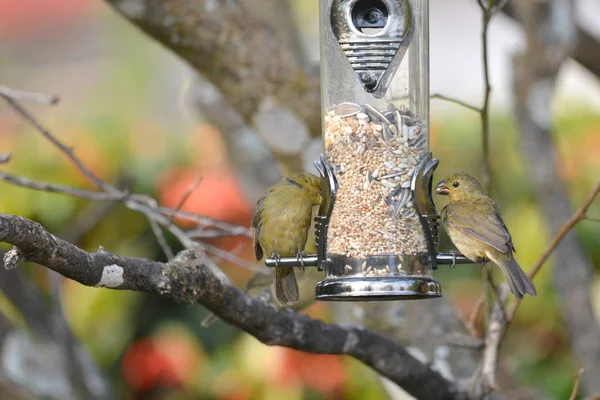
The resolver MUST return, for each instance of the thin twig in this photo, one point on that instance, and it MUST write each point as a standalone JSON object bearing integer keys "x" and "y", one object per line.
{"x": 495, "y": 332}
{"x": 203, "y": 233}
{"x": 484, "y": 112}
{"x": 235, "y": 251}
{"x": 592, "y": 219}
{"x": 156, "y": 229}
{"x": 456, "y": 101}
{"x": 460, "y": 340}
{"x": 5, "y": 158}
{"x": 562, "y": 232}
{"x": 474, "y": 314}
{"x": 496, "y": 291}
{"x": 227, "y": 228}
{"x": 185, "y": 196}
{"x": 499, "y": 6}
{"x": 150, "y": 212}
{"x": 160, "y": 238}
{"x": 29, "y": 96}
{"x": 229, "y": 256}
{"x": 576, "y": 385}
{"x": 54, "y": 188}
{"x": 224, "y": 227}
{"x": 68, "y": 152}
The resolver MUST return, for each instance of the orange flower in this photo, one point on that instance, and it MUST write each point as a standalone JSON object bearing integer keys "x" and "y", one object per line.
{"x": 168, "y": 361}
{"x": 218, "y": 196}
{"x": 321, "y": 372}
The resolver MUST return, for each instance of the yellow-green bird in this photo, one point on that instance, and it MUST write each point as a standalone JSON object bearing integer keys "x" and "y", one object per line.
{"x": 262, "y": 280}
{"x": 476, "y": 228}
{"x": 281, "y": 224}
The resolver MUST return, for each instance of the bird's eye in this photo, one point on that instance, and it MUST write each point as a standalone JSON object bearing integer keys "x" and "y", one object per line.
{"x": 455, "y": 184}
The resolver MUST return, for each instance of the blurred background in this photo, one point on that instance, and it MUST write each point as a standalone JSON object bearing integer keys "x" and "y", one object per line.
{"x": 128, "y": 111}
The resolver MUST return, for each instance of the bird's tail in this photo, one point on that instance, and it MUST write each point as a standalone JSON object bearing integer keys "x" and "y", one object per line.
{"x": 518, "y": 281}
{"x": 286, "y": 287}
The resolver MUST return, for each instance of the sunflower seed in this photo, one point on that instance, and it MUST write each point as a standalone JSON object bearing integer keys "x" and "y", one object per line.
{"x": 375, "y": 114}
{"x": 399, "y": 121}
{"x": 347, "y": 109}
{"x": 387, "y": 135}
{"x": 391, "y": 175}
{"x": 405, "y": 131}
{"x": 360, "y": 150}
{"x": 368, "y": 179}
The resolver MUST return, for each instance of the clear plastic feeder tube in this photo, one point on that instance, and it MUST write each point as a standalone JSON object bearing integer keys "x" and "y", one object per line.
{"x": 375, "y": 99}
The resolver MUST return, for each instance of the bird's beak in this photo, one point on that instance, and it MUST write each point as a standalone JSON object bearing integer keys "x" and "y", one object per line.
{"x": 442, "y": 188}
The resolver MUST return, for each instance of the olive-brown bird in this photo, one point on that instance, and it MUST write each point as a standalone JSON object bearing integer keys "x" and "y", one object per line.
{"x": 281, "y": 224}
{"x": 476, "y": 228}
{"x": 263, "y": 280}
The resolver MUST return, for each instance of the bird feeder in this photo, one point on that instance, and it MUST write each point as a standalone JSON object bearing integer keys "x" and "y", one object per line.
{"x": 378, "y": 228}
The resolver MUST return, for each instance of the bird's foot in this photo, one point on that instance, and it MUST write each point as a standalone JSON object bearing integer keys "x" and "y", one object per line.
{"x": 277, "y": 259}
{"x": 454, "y": 254}
{"x": 300, "y": 258}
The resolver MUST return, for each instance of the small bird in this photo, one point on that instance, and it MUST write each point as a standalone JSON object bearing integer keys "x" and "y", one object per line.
{"x": 476, "y": 228}
{"x": 263, "y": 280}
{"x": 281, "y": 224}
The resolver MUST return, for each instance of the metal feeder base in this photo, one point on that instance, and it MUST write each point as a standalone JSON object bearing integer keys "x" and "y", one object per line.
{"x": 377, "y": 289}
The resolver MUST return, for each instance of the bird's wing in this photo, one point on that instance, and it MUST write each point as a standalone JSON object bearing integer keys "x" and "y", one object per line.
{"x": 486, "y": 225}
{"x": 257, "y": 224}
{"x": 509, "y": 243}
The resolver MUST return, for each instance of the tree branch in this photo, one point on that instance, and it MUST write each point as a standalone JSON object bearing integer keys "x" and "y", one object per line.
{"x": 186, "y": 280}
{"x": 551, "y": 32}
{"x": 253, "y": 67}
